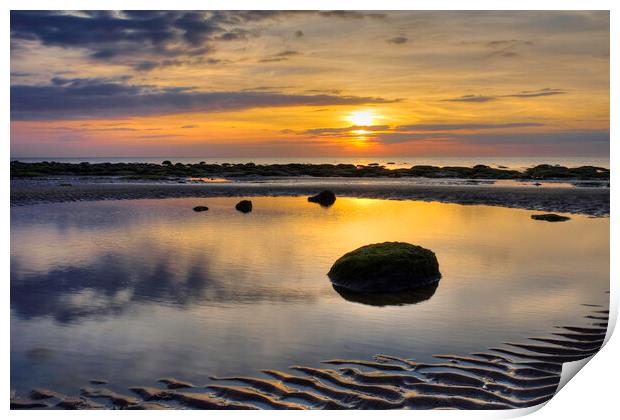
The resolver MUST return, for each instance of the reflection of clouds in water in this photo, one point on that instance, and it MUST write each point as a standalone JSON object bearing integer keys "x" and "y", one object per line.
{"x": 112, "y": 284}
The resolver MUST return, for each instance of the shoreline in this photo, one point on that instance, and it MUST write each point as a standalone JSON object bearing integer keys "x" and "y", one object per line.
{"x": 591, "y": 201}
{"x": 168, "y": 170}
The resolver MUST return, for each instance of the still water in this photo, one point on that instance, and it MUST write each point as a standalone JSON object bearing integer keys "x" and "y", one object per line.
{"x": 135, "y": 290}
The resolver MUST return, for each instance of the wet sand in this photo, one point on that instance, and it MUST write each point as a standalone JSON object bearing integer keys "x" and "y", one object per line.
{"x": 516, "y": 375}
{"x": 590, "y": 201}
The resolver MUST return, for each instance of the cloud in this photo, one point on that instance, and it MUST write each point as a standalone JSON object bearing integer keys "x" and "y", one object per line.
{"x": 287, "y": 53}
{"x": 120, "y": 35}
{"x": 327, "y": 91}
{"x": 398, "y": 40}
{"x": 281, "y": 56}
{"x": 451, "y": 127}
{"x": 237, "y": 34}
{"x": 349, "y": 14}
{"x": 102, "y": 98}
{"x": 149, "y": 65}
{"x": 578, "y": 140}
{"x": 339, "y": 130}
{"x": 510, "y": 43}
{"x": 396, "y": 138}
{"x": 522, "y": 94}
{"x": 471, "y": 98}
{"x": 537, "y": 93}
{"x": 272, "y": 59}
{"x": 190, "y": 126}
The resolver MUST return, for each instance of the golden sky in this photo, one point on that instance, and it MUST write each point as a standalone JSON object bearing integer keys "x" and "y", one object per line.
{"x": 309, "y": 83}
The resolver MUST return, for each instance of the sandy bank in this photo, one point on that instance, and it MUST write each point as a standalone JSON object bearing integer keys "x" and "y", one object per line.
{"x": 590, "y": 201}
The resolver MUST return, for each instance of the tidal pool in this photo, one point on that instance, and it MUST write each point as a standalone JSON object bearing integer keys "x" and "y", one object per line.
{"x": 135, "y": 290}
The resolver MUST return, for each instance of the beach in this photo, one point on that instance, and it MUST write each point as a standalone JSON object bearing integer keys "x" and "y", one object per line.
{"x": 560, "y": 197}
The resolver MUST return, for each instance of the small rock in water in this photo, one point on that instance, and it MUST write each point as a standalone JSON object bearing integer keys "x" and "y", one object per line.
{"x": 244, "y": 206}
{"x": 201, "y": 208}
{"x": 385, "y": 267}
{"x": 550, "y": 217}
{"x": 324, "y": 198}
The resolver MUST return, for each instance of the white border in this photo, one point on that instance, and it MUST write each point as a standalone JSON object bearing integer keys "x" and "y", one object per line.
{"x": 592, "y": 394}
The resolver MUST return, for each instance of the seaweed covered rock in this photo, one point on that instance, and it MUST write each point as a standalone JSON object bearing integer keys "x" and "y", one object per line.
{"x": 201, "y": 208}
{"x": 385, "y": 267}
{"x": 325, "y": 198}
{"x": 244, "y": 206}
{"x": 550, "y": 217}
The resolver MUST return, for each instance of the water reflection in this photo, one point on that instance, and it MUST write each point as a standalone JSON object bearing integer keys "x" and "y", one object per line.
{"x": 139, "y": 289}
{"x": 113, "y": 283}
{"x": 407, "y": 297}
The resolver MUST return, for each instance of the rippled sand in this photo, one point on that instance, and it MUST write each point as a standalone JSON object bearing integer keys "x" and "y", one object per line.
{"x": 516, "y": 375}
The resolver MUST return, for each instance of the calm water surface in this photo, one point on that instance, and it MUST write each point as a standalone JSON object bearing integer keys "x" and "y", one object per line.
{"x": 135, "y": 290}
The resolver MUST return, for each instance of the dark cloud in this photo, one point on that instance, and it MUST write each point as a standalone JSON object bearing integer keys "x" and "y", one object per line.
{"x": 537, "y": 93}
{"x": 236, "y": 34}
{"x": 394, "y": 138}
{"x": 575, "y": 141}
{"x": 349, "y": 14}
{"x": 149, "y": 65}
{"x": 190, "y": 126}
{"x": 272, "y": 59}
{"x": 110, "y": 36}
{"x": 287, "y": 53}
{"x": 587, "y": 138}
{"x": 522, "y": 94}
{"x": 509, "y": 43}
{"x": 21, "y": 74}
{"x": 327, "y": 91}
{"x": 281, "y": 56}
{"x": 398, "y": 40}
{"x": 265, "y": 88}
{"x": 339, "y": 130}
{"x": 101, "y": 98}
{"x": 471, "y": 98}
{"x": 450, "y": 127}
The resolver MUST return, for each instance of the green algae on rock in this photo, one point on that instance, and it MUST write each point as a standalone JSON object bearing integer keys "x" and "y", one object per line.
{"x": 385, "y": 267}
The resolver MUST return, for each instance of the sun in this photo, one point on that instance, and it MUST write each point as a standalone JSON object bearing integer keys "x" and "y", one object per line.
{"x": 361, "y": 118}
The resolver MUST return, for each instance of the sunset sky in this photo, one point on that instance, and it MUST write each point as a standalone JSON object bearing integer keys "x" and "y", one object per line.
{"x": 280, "y": 84}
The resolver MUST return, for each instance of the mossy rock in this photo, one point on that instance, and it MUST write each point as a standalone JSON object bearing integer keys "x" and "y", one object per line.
{"x": 244, "y": 206}
{"x": 550, "y": 217}
{"x": 324, "y": 198}
{"x": 385, "y": 267}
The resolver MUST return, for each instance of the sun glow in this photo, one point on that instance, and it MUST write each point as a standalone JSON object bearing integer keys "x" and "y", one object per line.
{"x": 361, "y": 118}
